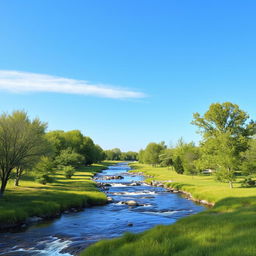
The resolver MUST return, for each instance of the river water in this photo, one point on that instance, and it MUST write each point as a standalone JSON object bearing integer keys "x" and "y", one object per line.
{"x": 73, "y": 232}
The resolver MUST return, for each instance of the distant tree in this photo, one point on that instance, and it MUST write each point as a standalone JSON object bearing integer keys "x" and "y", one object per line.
{"x": 129, "y": 156}
{"x": 74, "y": 140}
{"x": 99, "y": 154}
{"x": 113, "y": 154}
{"x": 141, "y": 156}
{"x": 21, "y": 139}
{"x": 44, "y": 169}
{"x": 248, "y": 165}
{"x": 226, "y": 133}
{"x": 68, "y": 157}
{"x": 178, "y": 166}
{"x": 89, "y": 151}
{"x": 166, "y": 158}
{"x": 152, "y": 152}
{"x": 57, "y": 140}
{"x": 188, "y": 154}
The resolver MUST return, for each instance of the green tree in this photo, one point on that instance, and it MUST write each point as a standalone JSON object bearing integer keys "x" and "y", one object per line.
{"x": 152, "y": 153}
{"x": 74, "y": 140}
{"x": 188, "y": 153}
{"x": 166, "y": 157}
{"x": 226, "y": 132}
{"x": 113, "y": 154}
{"x": 68, "y": 157}
{"x": 178, "y": 166}
{"x": 141, "y": 156}
{"x": 21, "y": 139}
{"x": 43, "y": 170}
{"x": 249, "y": 159}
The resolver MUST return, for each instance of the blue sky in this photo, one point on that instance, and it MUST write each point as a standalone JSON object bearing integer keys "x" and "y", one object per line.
{"x": 126, "y": 72}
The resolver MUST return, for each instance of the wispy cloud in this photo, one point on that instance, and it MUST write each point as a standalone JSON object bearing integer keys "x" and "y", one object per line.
{"x": 17, "y": 81}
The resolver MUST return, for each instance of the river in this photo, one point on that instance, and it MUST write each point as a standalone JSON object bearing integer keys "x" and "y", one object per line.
{"x": 73, "y": 232}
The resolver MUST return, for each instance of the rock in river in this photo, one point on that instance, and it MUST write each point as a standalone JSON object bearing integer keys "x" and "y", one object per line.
{"x": 132, "y": 203}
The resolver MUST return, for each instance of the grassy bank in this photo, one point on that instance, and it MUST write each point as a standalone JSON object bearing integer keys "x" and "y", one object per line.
{"x": 228, "y": 228}
{"x": 33, "y": 199}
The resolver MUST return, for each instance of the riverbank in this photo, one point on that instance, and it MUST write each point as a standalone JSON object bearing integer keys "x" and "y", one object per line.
{"x": 32, "y": 202}
{"x": 228, "y": 228}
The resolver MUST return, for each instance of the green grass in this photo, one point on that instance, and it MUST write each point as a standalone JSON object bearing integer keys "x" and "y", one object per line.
{"x": 228, "y": 228}
{"x": 33, "y": 199}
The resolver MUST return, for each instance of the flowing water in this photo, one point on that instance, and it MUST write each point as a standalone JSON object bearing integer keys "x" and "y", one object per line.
{"x": 73, "y": 232}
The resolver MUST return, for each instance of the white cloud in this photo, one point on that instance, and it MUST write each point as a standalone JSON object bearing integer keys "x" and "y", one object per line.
{"x": 17, "y": 81}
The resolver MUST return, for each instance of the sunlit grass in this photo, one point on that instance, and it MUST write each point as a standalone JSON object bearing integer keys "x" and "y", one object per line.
{"x": 227, "y": 229}
{"x": 34, "y": 199}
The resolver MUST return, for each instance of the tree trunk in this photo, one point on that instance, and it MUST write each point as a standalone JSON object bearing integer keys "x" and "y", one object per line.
{"x": 3, "y": 186}
{"x": 16, "y": 182}
{"x": 231, "y": 184}
{"x": 18, "y": 176}
{"x": 4, "y": 179}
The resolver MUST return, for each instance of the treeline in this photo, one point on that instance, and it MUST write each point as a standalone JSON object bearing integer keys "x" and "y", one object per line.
{"x": 182, "y": 157}
{"x": 117, "y": 155}
{"x": 227, "y": 148}
{"x": 26, "y": 147}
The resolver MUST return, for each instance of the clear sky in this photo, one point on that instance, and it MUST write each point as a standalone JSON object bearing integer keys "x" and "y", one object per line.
{"x": 126, "y": 72}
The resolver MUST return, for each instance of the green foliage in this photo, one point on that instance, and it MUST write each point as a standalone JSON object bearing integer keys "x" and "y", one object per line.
{"x": 178, "y": 166}
{"x": 151, "y": 154}
{"x": 248, "y": 166}
{"x": 75, "y": 142}
{"x": 129, "y": 156}
{"x": 113, "y": 154}
{"x": 225, "y": 175}
{"x": 44, "y": 179}
{"x": 43, "y": 170}
{"x": 248, "y": 182}
{"x": 226, "y": 134}
{"x": 68, "y": 157}
{"x": 189, "y": 154}
{"x": 22, "y": 143}
{"x": 69, "y": 171}
{"x": 166, "y": 157}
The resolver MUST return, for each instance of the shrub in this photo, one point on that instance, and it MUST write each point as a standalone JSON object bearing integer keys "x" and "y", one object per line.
{"x": 248, "y": 182}
{"x": 69, "y": 171}
{"x": 44, "y": 179}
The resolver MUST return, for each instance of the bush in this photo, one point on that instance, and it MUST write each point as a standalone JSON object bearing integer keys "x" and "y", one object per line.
{"x": 248, "y": 182}
{"x": 44, "y": 179}
{"x": 69, "y": 171}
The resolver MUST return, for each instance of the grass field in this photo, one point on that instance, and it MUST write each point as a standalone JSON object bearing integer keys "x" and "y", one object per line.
{"x": 33, "y": 199}
{"x": 228, "y": 228}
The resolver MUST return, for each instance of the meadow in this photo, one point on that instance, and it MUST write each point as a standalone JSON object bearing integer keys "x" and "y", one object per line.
{"x": 228, "y": 228}
{"x": 50, "y": 200}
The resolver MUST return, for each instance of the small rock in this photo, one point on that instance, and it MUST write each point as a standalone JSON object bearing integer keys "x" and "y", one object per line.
{"x": 34, "y": 219}
{"x": 129, "y": 224}
{"x": 110, "y": 199}
{"x": 135, "y": 184}
{"x": 132, "y": 203}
